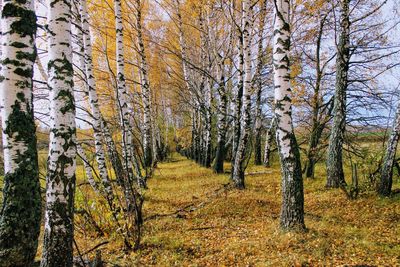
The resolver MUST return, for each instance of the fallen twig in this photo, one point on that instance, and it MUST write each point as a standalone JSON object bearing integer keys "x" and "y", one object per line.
{"x": 201, "y": 228}
{"x": 79, "y": 253}
{"x": 192, "y": 206}
{"x": 256, "y": 173}
{"x": 95, "y": 247}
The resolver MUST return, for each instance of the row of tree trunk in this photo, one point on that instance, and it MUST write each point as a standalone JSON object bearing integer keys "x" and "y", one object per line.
{"x": 234, "y": 119}
{"x": 22, "y": 210}
{"x": 226, "y": 63}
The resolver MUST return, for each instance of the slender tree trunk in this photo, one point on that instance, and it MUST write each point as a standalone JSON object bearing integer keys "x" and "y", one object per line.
{"x": 197, "y": 138}
{"x": 146, "y": 94}
{"x": 315, "y": 136}
{"x": 384, "y": 187}
{"x": 237, "y": 101}
{"x": 94, "y": 104}
{"x": 113, "y": 153}
{"x": 208, "y": 122}
{"x": 317, "y": 127}
{"x": 222, "y": 123}
{"x": 60, "y": 180}
{"x": 258, "y": 128}
{"x": 88, "y": 168}
{"x": 133, "y": 199}
{"x": 194, "y": 152}
{"x": 155, "y": 137}
{"x": 193, "y": 149}
{"x": 292, "y": 211}
{"x": 21, "y": 208}
{"x": 259, "y": 84}
{"x": 207, "y": 87}
{"x": 122, "y": 94}
{"x": 245, "y": 120}
{"x": 334, "y": 163}
{"x": 269, "y": 138}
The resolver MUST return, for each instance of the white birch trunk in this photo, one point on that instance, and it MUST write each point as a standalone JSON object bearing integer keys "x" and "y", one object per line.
{"x": 208, "y": 122}
{"x": 269, "y": 138}
{"x": 94, "y": 103}
{"x": 386, "y": 180}
{"x": 245, "y": 120}
{"x": 207, "y": 86}
{"x": 21, "y": 208}
{"x": 113, "y": 153}
{"x": 88, "y": 168}
{"x": 60, "y": 186}
{"x": 237, "y": 99}
{"x": 194, "y": 153}
{"x": 257, "y": 80}
{"x": 183, "y": 47}
{"x": 122, "y": 94}
{"x": 221, "y": 120}
{"x": 146, "y": 94}
{"x": 292, "y": 211}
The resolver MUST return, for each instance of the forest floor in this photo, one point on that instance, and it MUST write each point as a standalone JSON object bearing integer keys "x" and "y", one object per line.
{"x": 193, "y": 218}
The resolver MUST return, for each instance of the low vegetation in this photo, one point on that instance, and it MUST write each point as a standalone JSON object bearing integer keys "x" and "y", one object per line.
{"x": 192, "y": 217}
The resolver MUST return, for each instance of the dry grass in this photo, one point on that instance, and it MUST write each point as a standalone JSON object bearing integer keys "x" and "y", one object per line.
{"x": 242, "y": 227}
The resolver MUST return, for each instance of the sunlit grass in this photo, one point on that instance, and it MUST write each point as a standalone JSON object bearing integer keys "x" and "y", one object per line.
{"x": 242, "y": 227}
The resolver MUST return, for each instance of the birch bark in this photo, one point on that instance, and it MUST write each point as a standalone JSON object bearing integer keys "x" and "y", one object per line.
{"x": 221, "y": 123}
{"x": 60, "y": 180}
{"x": 88, "y": 168}
{"x": 194, "y": 150}
{"x": 292, "y": 210}
{"x": 259, "y": 85}
{"x": 122, "y": 94}
{"x": 237, "y": 100}
{"x": 207, "y": 85}
{"x": 146, "y": 94}
{"x": 269, "y": 138}
{"x": 386, "y": 180}
{"x": 334, "y": 163}
{"x": 245, "y": 120}
{"x": 94, "y": 103}
{"x": 21, "y": 208}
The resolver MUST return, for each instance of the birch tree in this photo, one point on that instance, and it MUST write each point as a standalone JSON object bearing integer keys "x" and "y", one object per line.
{"x": 384, "y": 187}
{"x": 269, "y": 138}
{"x": 237, "y": 97}
{"x": 334, "y": 163}
{"x": 122, "y": 94}
{"x": 21, "y": 206}
{"x": 245, "y": 120}
{"x": 145, "y": 85}
{"x": 292, "y": 210}
{"x": 60, "y": 180}
{"x": 88, "y": 168}
{"x": 319, "y": 118}
{"x": 221, "y": 117}
{"x": 194, "y": 151}
{"x": 223, "y": 37}
{"x": 258, "y": 82}
{"x": 206, "y": 86}
{"x": 94, "y": 104}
